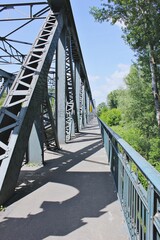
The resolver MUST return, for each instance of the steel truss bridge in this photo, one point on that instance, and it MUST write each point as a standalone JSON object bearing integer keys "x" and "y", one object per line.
{"x": 49, "y": 97}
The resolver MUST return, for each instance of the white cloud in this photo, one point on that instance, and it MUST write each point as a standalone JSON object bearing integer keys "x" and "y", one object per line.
{"x": 101, "y": 87}
{"x": 94, "y": 78}
{"x": 120, "y": 24}
{"x": 115, "y": 80}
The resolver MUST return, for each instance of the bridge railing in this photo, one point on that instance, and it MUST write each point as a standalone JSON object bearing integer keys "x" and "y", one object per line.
{"x": 138, "y": 186}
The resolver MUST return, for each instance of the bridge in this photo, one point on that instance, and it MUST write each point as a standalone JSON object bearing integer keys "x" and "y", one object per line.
{"x": 56, "y": 180}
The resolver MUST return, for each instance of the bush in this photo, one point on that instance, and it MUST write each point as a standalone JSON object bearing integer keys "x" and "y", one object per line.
{"x": 154, "y": 149}
{"x": 101, "y": 108}
{"x": 111, "y": 117}
{"x": 134, "y": 137}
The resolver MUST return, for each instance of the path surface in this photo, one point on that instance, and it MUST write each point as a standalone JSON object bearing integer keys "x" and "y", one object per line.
{"x": 72, "y": 198}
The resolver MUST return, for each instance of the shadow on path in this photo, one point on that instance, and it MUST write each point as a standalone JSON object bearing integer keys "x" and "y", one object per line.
{"x": 66, "y": 198}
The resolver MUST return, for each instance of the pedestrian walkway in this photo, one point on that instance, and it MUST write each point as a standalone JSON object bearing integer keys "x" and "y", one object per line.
{"x": 72, "y": 198}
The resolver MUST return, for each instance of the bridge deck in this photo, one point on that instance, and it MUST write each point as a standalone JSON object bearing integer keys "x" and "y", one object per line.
{"x": 72, "y": 198}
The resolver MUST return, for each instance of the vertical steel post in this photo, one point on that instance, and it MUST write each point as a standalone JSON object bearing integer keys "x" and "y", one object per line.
{"x": 81, "y": 105}
{"x": 77, "y": 84}
{"x": 87, "y": 107}
{"x": 61, "y": 89}
{"x": 71, "y": 110}
{"x": 35, "y": 148}
{"x": 84, "y": 107}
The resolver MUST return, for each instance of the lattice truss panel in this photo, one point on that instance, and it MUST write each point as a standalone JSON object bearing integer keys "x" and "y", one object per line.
{"x": 6, "y": 81}
{"x": 26, "y": 95}
{"x": 49, "y": 128}
{"x": 70, "y": 89}
{"x": 48, "y": 109}
{"x": 52, "y": 82}
{"x": 81, "y": 103}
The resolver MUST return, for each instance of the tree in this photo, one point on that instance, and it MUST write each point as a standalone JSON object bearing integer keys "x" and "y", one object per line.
{"x": 113, "y": 98}
{"x": 141, "y": 27}
{"x": 102, "y": 107}
{"x": 140, "y": 103}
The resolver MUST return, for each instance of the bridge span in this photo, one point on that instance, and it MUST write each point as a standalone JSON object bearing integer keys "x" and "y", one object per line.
{"x": 56, "y": 181}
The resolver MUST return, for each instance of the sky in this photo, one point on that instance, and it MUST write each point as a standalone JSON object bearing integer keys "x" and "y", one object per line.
{"x": 107, "y": 58}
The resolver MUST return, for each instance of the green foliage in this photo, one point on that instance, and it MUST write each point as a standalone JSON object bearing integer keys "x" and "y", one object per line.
{"x": 140, "y": 103}
{"x": 112, "y": 99}
{"x": 154, "y": 154}
{"x": 111, "y": 117}
{"x": 134, "y": 137}
{"x": 102, "y": 107}
{"x": 2, "y": 99}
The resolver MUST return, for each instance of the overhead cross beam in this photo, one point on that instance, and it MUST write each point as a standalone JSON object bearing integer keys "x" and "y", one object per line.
{"x": 11, "y": 51}
{"x": 31, "y": 13}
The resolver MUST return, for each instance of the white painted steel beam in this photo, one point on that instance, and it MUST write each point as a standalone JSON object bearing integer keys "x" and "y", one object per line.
{"x": 61, "y": 89}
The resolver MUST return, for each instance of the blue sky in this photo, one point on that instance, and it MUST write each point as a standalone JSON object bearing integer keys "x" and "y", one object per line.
{"x": 106, "y": 56}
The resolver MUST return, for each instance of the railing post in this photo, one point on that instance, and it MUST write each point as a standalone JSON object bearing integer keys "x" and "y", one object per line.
{"x": 114, "y": 161}
{"x": 150, "y": 196}
{"x": 120, "y": 180}
{"x": 106, "y": 142}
